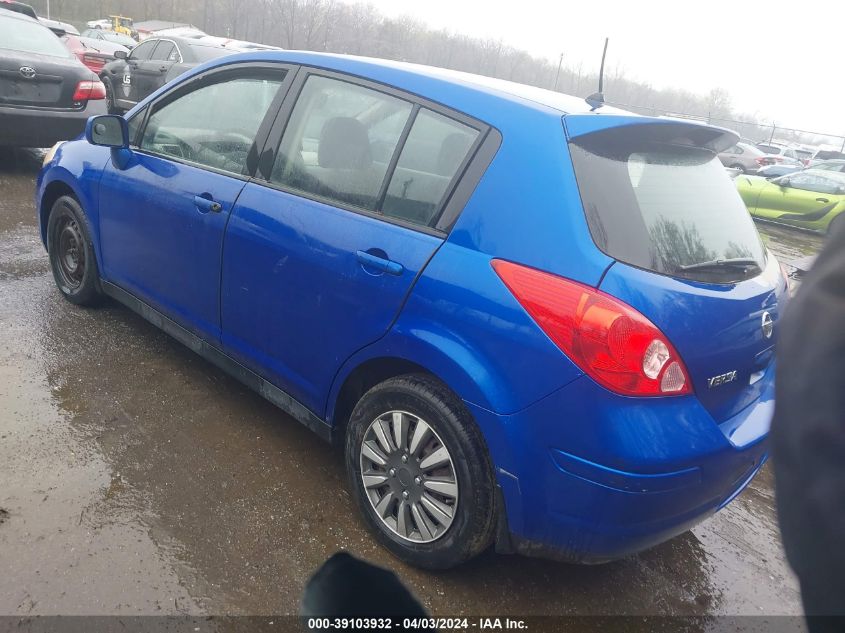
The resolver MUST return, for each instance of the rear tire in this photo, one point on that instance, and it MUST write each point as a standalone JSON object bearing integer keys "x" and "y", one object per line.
{"x": 430, "y": 516}
{"x": 110, "y": 105}
{"x": 72, "y": 253}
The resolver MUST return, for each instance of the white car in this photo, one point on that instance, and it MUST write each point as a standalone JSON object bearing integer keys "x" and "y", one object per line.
{"x": 99, "y": 24}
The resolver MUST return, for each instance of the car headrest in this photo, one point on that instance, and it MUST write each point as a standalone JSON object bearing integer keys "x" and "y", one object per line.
{"x": 344, "y": 144}
{"x": 452, "y": 152}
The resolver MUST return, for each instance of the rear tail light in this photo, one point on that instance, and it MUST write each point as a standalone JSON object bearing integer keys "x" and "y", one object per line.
{"x": 610, "y": 341}
{"x": 761, "y": 161}
{"x": 89, "y": 91}
{"x": 94, "y": 62}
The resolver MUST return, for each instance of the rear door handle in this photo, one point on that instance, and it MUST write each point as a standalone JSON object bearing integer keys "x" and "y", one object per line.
{"x": 379, "y": 263}
{"x": 822, "y": 200}
{"x": 207, "y": 204}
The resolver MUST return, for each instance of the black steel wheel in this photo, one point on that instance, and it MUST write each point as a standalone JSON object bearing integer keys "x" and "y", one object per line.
{"x": 71, "y": 252}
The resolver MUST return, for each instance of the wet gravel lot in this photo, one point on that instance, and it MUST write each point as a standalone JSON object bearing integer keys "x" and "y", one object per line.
{"x": 135, "y": 478}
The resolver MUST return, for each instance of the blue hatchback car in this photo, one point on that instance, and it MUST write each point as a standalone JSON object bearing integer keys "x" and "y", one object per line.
{"x": 529, "y": 322}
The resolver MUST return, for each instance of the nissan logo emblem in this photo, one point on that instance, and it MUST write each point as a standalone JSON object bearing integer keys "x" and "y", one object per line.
{"x": 27, "y": 72}
{"x": 768, "y": 325}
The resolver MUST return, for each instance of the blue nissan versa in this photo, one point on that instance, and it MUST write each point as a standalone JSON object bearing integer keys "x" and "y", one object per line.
{"x": 528, "y": 322}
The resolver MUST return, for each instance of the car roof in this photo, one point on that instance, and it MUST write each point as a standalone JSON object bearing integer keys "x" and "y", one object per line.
{"x": 428, "y": 81}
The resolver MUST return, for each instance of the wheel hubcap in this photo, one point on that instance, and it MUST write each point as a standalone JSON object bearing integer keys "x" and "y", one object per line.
{"x": 71, "y": 253}
{"x": 409, "y": 477}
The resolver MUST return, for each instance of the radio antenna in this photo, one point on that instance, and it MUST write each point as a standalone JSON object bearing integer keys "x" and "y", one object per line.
{"x": 596, "y": 100}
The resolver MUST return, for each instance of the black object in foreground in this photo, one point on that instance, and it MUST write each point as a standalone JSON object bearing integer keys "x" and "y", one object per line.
{"x": 345, "y": 587}
{"x": 808, "y": 434}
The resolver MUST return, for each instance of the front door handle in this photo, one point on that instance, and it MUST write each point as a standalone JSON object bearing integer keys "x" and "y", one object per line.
{"x": 824, "y": 200}
{"x": 206, "y": 204}
{"x": 162, "y": 69}
{"x": 368, "y": 260}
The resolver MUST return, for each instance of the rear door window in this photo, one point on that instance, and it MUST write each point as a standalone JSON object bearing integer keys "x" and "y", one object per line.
{"x": 664, "y": 206}
{"x": 436, "y": 148}
{"x": 339, "y": 141}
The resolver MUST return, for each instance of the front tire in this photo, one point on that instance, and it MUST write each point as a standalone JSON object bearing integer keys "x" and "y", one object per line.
{"x": 836, "y": 223}
{"x": 419, "y": 472}
{"x": 72, "y": 253}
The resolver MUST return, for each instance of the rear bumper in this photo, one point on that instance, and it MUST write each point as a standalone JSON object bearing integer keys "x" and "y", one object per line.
{"x": 593, "y": 477}
{"x": 31, "y": 127}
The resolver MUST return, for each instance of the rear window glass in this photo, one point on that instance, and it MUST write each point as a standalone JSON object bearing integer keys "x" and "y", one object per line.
{"x": 769, "y": 149}
{"x": 665, "y": 207}
{"x": 30, "y": 37}
{"x": 436, "y": 148}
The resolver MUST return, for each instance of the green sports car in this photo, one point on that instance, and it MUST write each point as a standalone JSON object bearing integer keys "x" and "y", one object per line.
{"x": 810, "y": 199}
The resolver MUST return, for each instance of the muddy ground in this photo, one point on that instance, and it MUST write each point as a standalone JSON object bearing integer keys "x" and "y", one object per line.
{"x": 135, "y": 478}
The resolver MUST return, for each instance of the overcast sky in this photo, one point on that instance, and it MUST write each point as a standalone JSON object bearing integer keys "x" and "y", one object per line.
{"x": 781, "y": 60}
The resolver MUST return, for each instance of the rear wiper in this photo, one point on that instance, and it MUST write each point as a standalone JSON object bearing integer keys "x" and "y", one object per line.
{"x": 736, "y": 262}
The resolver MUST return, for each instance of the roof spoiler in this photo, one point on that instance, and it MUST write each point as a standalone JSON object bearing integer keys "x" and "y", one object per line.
{"x": 667, "y": 130}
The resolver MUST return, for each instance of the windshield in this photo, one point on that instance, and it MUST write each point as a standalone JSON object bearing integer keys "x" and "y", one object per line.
{"x": 663, "y": 207}
{"x": 30, "y": 37}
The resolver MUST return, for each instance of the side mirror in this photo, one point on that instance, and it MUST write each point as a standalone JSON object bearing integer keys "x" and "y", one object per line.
{"x": 119, "y": 54}
{"x": 783, "y": 182}
{"x": 108, "y": 130}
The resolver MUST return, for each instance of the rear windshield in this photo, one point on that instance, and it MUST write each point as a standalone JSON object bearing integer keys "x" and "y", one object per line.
{"x": 769, "y": 149}
{"x": 665, "y": 207}
{"x": 30, "y": 37}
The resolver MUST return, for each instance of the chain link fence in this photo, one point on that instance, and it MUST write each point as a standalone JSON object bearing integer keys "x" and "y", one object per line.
{"x": 752, "y": 131}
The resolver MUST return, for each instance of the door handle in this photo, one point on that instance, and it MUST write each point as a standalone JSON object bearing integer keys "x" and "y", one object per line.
{"x": 162, "y": 69}
{"x": 207, "y": 204}
{"x": 825, "y": 200}
{"x": 379, "y": 263}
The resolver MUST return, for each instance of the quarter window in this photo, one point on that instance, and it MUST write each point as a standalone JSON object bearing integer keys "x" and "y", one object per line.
{"x": 166, "y": 51}
{"x": 339, "y": 142}
{"x": 431, "y": 157}
{"x": 215, "y": 125}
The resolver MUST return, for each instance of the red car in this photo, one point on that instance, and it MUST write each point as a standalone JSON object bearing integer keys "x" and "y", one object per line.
{"x": 93, "y": 53}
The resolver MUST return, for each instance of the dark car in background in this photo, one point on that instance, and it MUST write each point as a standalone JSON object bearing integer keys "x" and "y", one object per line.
{"x": 150, "y": 65}
{"x": 742, "y": 156}
{"x": 46, "y": 94}
{"x": 18, "y": 7}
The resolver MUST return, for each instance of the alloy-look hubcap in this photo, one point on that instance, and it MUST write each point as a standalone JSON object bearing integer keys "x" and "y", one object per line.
{"x": 409, "y": 477}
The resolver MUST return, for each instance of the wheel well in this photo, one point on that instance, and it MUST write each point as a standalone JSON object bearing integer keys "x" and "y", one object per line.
{"x": 53, "y": 192}
{"x": 361, "y": 380}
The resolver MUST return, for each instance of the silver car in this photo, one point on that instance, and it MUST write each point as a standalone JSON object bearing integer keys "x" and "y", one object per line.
{"x": 743, "y": 157}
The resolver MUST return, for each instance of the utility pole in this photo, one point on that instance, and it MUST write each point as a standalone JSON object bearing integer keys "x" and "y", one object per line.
{"x": 773, "y": 133}
{"x": 48, "y": 9}
{"x": 557, "y": 74}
